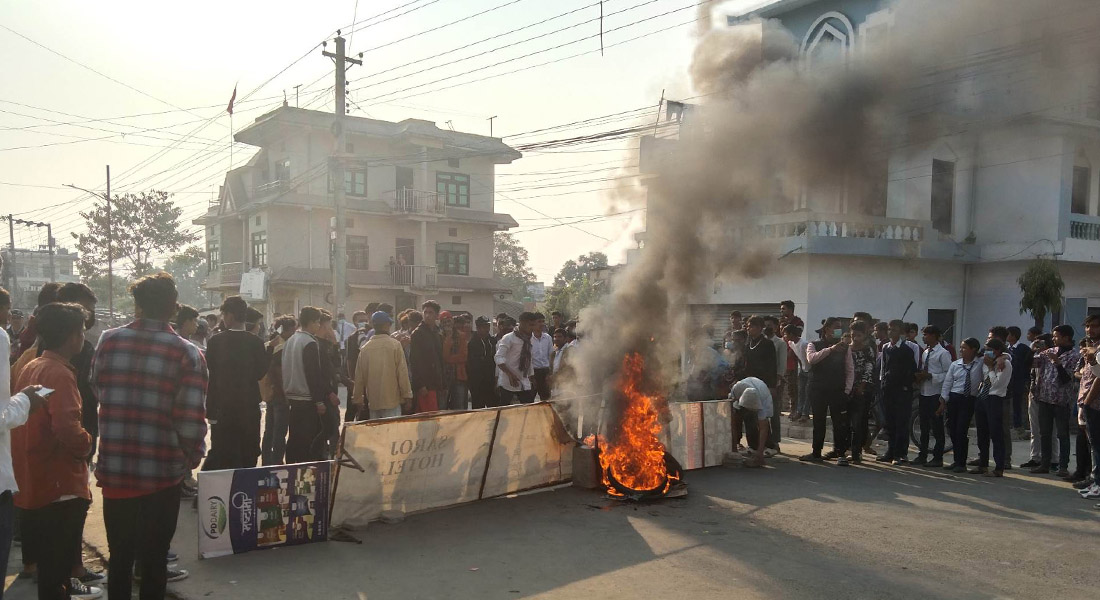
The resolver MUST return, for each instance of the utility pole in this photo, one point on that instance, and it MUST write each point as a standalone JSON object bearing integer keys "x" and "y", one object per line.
{"x": 49, "y": 243}
{"x": 336, "y": 168}
{"x": 296, "y": 95}
{"x": 491, "y": 125}
{"x": 14, "y": 276}
{"x": 12, "y": 222}
{"x": 110, "y": 253}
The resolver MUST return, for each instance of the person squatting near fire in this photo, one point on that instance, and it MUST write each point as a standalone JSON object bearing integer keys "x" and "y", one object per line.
{"x": 753, "y": 404}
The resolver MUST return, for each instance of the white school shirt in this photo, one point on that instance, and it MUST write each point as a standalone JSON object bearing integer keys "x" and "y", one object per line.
{"x": 955, "y": 381}
{"x": 998, "y": 380}
{"x": 937, "y": 361}
{"x": 509, "y": 349}
{"x": 14, "y": 411}
{"x": 540, "y": 350}
{"x": 799, "y": 349}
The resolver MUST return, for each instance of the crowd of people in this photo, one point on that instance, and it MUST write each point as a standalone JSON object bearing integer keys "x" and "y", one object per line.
{"x": 136, "y": 408}
{"x": 867, "y": 377}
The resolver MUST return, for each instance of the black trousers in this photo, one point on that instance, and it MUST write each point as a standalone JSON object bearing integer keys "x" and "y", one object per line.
{"x": 508, "y": 396}
{"x": 1084, "y": 455}
{"x": 483, "y": 393}
{"x": 234, "y": 443}
{"x": 61, "y": 527}
{"x": 835, "y": 402}
{"x": 899, "y": 403}
{"x": 931, "y": 423}
{"x": 140, "y": 528}
{"x": 989, "y": 415}
{"x": 960, "y": 409}
{"x": 305, "y": 427}
{"x": 1053, "y": 417}
{"x": 858, "y": 410}
{"x": 542, "y": 383}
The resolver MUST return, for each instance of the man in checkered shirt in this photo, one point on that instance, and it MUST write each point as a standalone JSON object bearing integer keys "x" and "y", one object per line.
{"x": 152, "y": 388}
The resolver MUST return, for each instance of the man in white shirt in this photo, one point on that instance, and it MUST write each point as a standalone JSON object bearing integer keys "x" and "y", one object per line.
{"x": 989, "y": 412}
{"x": 515, "y": 362}
{"x": 957, "y": 397}
{"x": 935, "y": 362}
{"x": 541, "y": 346}
{"x": 753, "y": 402}
{"x": 800, "y": 399}
{"x": 14, "y": 411}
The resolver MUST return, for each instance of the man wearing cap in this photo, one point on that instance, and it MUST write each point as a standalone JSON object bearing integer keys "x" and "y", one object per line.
{"x": 753, "y": 400}
{"x": 16, "y": 324}
{"x": 381, "y": 373}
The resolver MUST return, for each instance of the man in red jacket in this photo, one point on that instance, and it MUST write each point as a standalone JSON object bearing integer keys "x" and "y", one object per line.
{"x": 50, "y": 452}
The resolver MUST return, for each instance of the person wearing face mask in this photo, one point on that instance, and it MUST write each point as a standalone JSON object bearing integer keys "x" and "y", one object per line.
{"x": 832, "y": 375}
{"x": 989, "y": 409}
{"x": 957, "y": 398}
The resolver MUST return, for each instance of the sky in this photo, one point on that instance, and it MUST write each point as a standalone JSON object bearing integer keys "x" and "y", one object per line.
{"x": 149, "y": 96}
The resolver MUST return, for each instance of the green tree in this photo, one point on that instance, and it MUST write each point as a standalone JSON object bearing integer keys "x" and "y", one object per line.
{"x": 510, "y": 264}
{"x": 573, "y": 286}
{"x": 189, "y": 269}
{"x": 1041, "y": 286}
{"x": 575, "y": 271}
{"x": 142, "y": 225}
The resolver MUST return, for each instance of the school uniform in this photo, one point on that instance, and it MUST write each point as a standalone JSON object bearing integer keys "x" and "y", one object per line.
{"x": 959, "y": 390}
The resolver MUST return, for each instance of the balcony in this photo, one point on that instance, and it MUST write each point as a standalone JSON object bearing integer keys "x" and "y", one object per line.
{"x": 417, "y": 277}
{"x": 226, "y": 275}
{"x": 1084, "y": 227}
{"x": 416, "y": 202}
{"x": 804, "y": 224}
{"x": 272, "y": 187}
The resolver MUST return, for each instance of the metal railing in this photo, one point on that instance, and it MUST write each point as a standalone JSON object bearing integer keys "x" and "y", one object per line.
{"x": 1080, "y": 229}
{"x": 842, "y": 226}
{"x": 225, "y": 274}
{"x": 421, "y": 277}
{"x": 270, "y": 187}
{"x": 416, "y": 202}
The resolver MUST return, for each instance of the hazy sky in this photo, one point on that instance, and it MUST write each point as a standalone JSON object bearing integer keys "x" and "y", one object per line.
{"x": 182, "y": 61}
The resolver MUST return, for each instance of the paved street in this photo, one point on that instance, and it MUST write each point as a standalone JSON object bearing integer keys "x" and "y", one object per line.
{"x": 791, "y": 531}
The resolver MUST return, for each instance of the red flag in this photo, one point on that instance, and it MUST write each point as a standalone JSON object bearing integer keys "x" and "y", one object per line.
{"x": 232, "y": 99}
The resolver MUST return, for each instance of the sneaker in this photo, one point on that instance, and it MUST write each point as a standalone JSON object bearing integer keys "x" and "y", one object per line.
{"x": 176, "y": 575}
{"x": 901, "y": 460}
{"x": 83, "y": 592}
{"x": 770, "y": 452}
{"x": 1063, "y": 473}
{"x": 93, "y": 578}
{"x": 973, "y": 462}
{"x": 842, "y": 461}
{"x": 857, "y": 459}
{"x": 883, "y": 458}
{"x": 951, "y": 466}
{"x": 1084, "y": 484}
{"x": 897, "y": 462}
{"x": 935, "y": 463}
{"x": 919, "y": 461}
{"x": 1030, "y": 464}
{"x": 830, "y": 455}
{"x": 958, "y": 469}
{"x": 978, "y": 470}
{"x": 1039, "y": 469}
{"x": 1091, "y": 493}
{"x": 811, "y": 457}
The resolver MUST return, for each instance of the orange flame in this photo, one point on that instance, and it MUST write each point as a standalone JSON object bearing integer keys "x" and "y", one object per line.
{"x": 636, "y": 458}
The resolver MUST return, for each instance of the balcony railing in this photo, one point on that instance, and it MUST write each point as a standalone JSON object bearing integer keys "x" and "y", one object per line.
{"x": 225, "y": 274}
{"x": 416, "y": 202}
{"x": 420, "y": 277}
{"x": 1081, "y": 229}
{"x": 271, "y": 187}
{"x": 842, "y": 226}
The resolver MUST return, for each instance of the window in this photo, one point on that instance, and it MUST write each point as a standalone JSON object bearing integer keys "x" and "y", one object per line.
{"x": 455, "y": 187}
{"x": 358, "y": 252}
{"x": 349, "y": 223}
{"x": 453, "y": 231}
{"x": 212, "y": 256}
{"x": 259, "y": 249}
{"x": 455, "y": 300}
{"x": 258, "y": 221}
{"x": 943, "y": 195}
{"x": 1080, "y": 196}
{"x": 46, "y": 272}
{"x": 282, "y": 170}
{"x": 355, "y": 182}
{"x": 453, "y": 259}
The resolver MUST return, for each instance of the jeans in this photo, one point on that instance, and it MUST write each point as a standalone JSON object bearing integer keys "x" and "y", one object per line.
{"x": 931, "y": 423}
{"x": 1036, "y": 436}
{"x": 508, "y": 397}
{"x": 898, "y": 404}
{"x": 457, "y": 399}
{"x": 1092, "y": 422}
{"x": 60, "y": 525}
{"x": 960, "y": 409}
{"x": 385, "y": 413}
{"x": 857, "y": 413}
{"x": 542, "y": 383}
{"x": 1019, "y": 401}
{"x": 805, "y": 407}
{"x": 304, "y": 427}
{"x": 234, "y": 442}
{"x": 989, "y": 415}
{"x": 1054, "y": 417}
{"x": 140, "y": 527}
{"x": 276, "y": 423}
{"x": 835, "y": 401}
{"x": 7, "y": 530}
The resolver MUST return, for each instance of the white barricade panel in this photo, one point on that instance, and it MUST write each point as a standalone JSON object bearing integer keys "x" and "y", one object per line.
{"x": 717, "y": 431}
{"x": 531, "y": 449}
{"x": 412, "y": 464}
{"x": 699, "y": 434}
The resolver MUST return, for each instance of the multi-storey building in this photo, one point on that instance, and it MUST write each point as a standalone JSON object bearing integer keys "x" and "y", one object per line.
{"x": 419, "y": 223}
{"x": 26, "y": 270}
{"x": 955, "y": 218}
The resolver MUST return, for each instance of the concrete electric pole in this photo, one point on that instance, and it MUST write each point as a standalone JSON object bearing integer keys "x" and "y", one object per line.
{"x": 336, "y": 169}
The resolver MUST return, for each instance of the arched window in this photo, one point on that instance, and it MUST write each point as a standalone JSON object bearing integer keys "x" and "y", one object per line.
{"x": 830, "y": 37}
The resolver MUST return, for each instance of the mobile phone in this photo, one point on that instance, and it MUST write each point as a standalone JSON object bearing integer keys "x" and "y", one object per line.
{"x": 42, "y": 393}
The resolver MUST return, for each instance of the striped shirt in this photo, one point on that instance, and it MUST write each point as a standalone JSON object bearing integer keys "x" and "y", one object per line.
{"x": 152, "y": 427}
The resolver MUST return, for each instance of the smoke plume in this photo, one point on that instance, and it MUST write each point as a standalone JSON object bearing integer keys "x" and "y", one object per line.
{"x": 776, "y": 129}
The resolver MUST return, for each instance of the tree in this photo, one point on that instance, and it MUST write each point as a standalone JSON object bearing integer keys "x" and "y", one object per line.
{"x": 189, "y": 269}
{"x": 1041, "y": 286}
{"x": 510, "y": 264}
{"x": 573, "y": 286}
{"x": 142, "y": 224}
{"x": 575, "y": 271}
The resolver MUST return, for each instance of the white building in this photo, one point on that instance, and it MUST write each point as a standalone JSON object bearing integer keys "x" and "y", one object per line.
{"x": 952, "y": 235}
{"x": 27, "y": 270}
{"x": 420, "y": 215}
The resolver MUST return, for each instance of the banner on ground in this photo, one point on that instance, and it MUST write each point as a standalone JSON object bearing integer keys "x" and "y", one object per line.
{"x": 416, "y": 463}
{"x": 700, "y": 433}
{"x": 263, "y": 507}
